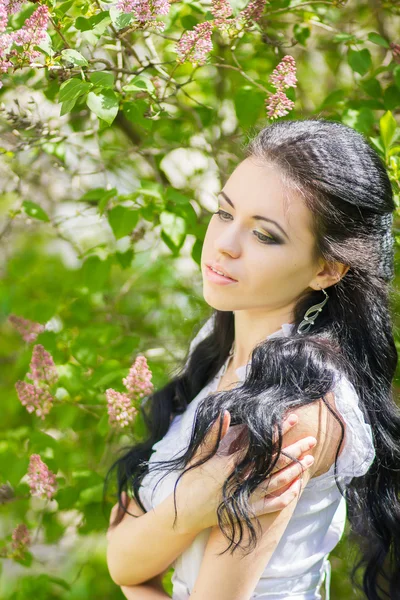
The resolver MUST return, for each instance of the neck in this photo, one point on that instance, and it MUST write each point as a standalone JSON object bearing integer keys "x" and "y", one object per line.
{"x": 249, "y": 332}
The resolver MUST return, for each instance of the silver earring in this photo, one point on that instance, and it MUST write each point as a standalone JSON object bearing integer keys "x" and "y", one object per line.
{"x": 311, "y": 314}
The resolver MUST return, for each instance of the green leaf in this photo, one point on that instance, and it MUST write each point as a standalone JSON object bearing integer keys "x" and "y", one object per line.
{"x": 104, "y": 104}
{"x": 65, "y": 6}
{"x": 98, "y": 195}
{"x": 94, "y": 519}
{"x": 102, "y": 79}
{"x": 301, "y": 33}
{"x": 375, "y": 38}
{"x": 139, "y": 83}
{"x": 175, "y": 196}
{"x": 122, "y": 220}
{"x": 174, "y": 227}
{"x": 95, "y": 272}
{"x": 344, "y": 37}
{"x": 119, "y": 19}
{"x": 96, "y": 23}
{"x": 248, "y": 105}
{"x": 394, "y": 151}
{"x": 396, "y": 75}
{"x": 91, "y": 494}
{"x": 372, "y": 87}
{"x": 53, "y": 529}
{"x": 387, "y": 126}
{"x": 333, "y": 99}
{"x": 359, "y": 60}
{"x": 102, "y": 425}
{"x": 72, "y": 89}
{"x": 134, "y": 111}
{"x": 35, "y": 211}
{"x": 125, "y": 258}
{"x": 391, "y": 98}
{"x": 67, "y": 106}
{"x": 74, "y": 57}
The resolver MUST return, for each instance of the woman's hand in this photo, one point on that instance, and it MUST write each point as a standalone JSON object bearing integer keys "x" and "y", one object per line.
{"x": 199, "y": 491}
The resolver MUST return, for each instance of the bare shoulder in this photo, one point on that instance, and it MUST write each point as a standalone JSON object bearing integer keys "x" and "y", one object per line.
{"x": 317, "y": 420}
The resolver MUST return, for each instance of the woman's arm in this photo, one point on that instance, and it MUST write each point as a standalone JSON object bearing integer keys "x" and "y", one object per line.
{"x": 142, "y": 547}
{"x": 146, "y": 591}
{"x": 234, "y": 577}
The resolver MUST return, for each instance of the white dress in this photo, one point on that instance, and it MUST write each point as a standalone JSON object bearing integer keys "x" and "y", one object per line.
{"x": 318, "y": 521}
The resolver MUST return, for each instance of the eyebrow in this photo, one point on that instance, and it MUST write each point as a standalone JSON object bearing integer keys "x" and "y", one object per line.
{"x": 222, "y": 193}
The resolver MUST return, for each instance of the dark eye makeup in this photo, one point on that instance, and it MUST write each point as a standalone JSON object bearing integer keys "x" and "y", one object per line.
{"x": 264, "y": 239}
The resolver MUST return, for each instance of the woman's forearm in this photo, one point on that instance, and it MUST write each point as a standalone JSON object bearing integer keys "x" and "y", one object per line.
{"x": 146, "y": 591}
{"x": 143, "y": 547}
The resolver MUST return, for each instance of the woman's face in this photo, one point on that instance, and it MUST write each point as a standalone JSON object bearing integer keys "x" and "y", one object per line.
{"x": 272, "y": 262}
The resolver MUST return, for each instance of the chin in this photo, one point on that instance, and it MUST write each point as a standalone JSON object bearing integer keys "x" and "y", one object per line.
{"x": 217, "y": 301}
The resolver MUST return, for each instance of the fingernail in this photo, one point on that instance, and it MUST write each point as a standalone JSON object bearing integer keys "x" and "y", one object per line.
{"x": 308, "y": 460}
{"x": 293, "y": 419}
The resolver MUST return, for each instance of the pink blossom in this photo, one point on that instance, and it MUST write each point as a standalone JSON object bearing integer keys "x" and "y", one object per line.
{"x": 29, "y": 330}
{"x": 34, "y": 398}
{"x": 42, "y": 481}
{"x": 396, "y": 51}
{"x": 3, "y": 17}
{"x": 284, "y": 74}
{"x": 20, "y": 538}
{"x": 120, "y": 409}
{"x": 145, "y": 10}
{"x": 42, "y": 366}
{"x": 195, "y": 44}
{"x": 33, "y": 32}
{"x": 138, "y": 383}
{"x": 278, "y": 105}
{"x": 253, "y": 11}
{"x": 13, "y": 6}
{"x": 221, "y": 9}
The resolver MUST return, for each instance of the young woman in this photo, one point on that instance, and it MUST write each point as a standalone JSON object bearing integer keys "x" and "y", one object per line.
{"x": 297, "y": 265}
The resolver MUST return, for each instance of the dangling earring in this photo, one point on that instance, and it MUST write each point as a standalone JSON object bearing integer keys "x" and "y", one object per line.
{"x": 308, "y": 320}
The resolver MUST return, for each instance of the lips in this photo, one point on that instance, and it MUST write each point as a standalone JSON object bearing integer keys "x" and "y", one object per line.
{"x": 218, "y": 267}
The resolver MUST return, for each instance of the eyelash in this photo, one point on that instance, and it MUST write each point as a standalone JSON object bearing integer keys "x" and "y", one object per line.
{"x": 268, "y": 240}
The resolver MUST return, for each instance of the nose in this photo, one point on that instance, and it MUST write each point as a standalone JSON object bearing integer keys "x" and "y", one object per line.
{"x": 228, "y": 243}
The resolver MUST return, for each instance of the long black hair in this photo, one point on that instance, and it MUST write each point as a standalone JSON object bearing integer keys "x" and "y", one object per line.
{"x": 345, "y": 185}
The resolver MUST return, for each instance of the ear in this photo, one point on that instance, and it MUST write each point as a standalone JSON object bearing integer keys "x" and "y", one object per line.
{"x": 329, "y": 274}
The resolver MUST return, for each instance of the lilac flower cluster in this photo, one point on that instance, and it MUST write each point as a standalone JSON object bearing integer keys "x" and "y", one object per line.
{"x": 37, "y": 397}
{"x": 282, "y": 77}
{"x": 146, "y": 11}
{"x": 31, "y": 33}
{"x": 121, "y": 410}
{"x": 221, "y": 9}
{"x": 195, "y": 44}
{"x": 253, "y": 11}
{"x": 29, "y": 330}
{"x": 20, "y": 540}
{"x": 42, "y": 481}
{"x": 42, "y": 366}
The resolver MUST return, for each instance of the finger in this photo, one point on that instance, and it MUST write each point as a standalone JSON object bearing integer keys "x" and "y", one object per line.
{"x": 295, "y": 450}
{"x": 270, "y": 504}
{"x": 288, "y": 422}
{"x": 278, "y": 483}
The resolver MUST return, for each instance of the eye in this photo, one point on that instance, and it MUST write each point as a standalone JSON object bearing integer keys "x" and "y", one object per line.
{"x": 264, "y": 239}
{"x": 220, "y": 213}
